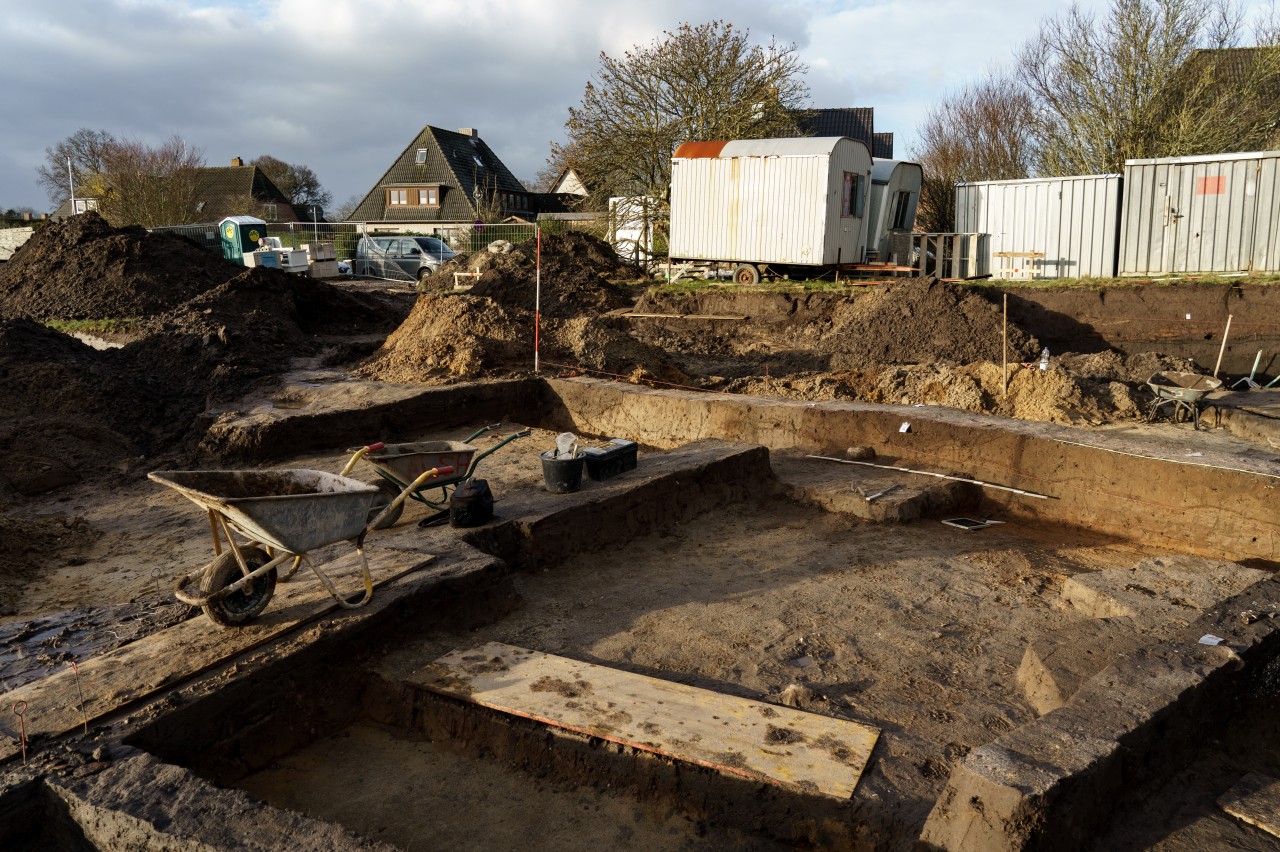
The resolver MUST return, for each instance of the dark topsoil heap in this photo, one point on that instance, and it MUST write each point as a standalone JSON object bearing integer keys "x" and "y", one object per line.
{"x": 72, "y": 411}
{"x": 82, "y": 268}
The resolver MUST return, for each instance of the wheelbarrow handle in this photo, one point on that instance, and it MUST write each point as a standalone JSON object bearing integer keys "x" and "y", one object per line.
{"x": 361, "y": 453}
{"x": 443, "y": 470}
{"x": 476, "y": 434}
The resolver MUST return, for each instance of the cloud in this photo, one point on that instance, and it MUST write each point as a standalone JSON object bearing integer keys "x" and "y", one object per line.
{"x": 342, "y": 86}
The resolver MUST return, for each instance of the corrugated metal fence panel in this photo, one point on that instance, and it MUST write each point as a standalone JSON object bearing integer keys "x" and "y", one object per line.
{"x": 1201, "y": 214}
{"x": 1074, "y": 221}
{"x": 1266, "y": 234}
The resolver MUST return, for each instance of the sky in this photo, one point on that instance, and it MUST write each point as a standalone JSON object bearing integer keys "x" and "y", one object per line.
{"x": 342, "y": 86}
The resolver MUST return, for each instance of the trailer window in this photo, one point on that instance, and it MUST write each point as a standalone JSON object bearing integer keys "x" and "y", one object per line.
{"x": 901, "y": 207}
{"x": 855, "y": 195}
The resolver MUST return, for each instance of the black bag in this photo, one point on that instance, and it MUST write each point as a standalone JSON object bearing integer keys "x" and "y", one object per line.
{"x": 471, "y": 504}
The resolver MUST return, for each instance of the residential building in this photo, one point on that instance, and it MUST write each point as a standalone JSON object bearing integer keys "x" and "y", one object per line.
{"x": 445, "y": 177}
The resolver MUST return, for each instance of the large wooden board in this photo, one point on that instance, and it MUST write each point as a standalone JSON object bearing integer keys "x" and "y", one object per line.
{"x": 1256, "y": 800}
{"x": 131, "y": 673}
{"x": 802, "y": 751}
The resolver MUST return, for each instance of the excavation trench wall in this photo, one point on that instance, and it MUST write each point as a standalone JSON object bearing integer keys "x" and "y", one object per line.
{"x": 1129, "y": 318}
{"x": 1154, "y": 318}
{"x": 1105, "y": 486}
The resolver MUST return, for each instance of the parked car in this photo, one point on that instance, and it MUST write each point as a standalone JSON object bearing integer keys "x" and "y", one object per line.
{"x": 416, "y": 257}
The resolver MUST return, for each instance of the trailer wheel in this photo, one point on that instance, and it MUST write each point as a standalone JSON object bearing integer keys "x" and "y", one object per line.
{"x": 746, "y": 275}
{"x": 386, "y": 493}
{"x": 246, "y": 604}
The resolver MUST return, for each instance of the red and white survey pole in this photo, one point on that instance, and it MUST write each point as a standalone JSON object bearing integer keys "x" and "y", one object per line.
{"x": 537, "y": 294}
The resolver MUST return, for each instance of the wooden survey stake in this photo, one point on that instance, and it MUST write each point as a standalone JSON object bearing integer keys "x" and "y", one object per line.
{"x": 780, "y": 745}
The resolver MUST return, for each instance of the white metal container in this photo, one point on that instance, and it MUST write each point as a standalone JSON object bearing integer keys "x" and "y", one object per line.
{"x": 891, "y": 208}
{"x": 293, "y": 260}
{"x": 771, "y": 201}
{"x": 1073, "y": 221}
{"x": 1214, "y": 213}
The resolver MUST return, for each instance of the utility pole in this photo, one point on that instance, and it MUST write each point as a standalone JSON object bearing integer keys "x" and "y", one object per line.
{"x": 71, "y": 181}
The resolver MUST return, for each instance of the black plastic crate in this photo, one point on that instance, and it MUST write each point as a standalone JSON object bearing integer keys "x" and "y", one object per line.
{"x": 609, "y": 460}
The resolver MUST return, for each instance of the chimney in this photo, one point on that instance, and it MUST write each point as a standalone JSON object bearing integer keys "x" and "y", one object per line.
{"x": 236, "y": 161}
{"x": 469, "y": 131}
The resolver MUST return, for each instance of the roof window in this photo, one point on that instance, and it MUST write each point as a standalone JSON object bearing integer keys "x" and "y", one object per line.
{"x": 421, "y": 157}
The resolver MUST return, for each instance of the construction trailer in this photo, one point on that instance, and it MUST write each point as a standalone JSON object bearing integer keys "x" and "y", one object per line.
{"x": 891, "y": 209}
{"x": 1062, "y": 227}
{"x": 1215, "y": 213}
{"x": 771, "y": 207}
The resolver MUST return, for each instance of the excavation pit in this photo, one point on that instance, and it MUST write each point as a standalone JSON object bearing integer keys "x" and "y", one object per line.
{"x": 702, "y": 568}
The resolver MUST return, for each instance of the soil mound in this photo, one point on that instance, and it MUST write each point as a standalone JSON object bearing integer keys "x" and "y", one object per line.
{"x": 489, "y": 331}
{"x": 579, "y": 274}
{"x": 453, "y": 337}
{"x": 920, "y": 321}
{"x": 68, "y": 408}
{"x": 82, "y": 268}
{"x": 113, "y": 411}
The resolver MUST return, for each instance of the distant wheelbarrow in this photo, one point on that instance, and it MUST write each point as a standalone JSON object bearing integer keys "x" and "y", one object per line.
{"x": 1180, "y": 393}
{"x": 398, "y": 464}
{"x": 288, "y": 513}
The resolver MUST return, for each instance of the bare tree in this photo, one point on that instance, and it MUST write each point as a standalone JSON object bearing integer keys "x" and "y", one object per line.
{"x": 700, "y": 82}
{"x": 142, "y": 185}
{"x": 982, "y": 132}
{"x": 84, "y": 149}
{"x": 1131, "y": 84}
{"x": 299, "y": 183}
{"x": 343, "y": 211}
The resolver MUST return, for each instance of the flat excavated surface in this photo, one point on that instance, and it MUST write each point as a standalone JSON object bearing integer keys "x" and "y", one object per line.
{"x": 780, "y": 745}
{"x": 917, "y": 629}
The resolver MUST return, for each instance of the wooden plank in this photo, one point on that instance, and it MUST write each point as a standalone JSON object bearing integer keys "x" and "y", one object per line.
{"x": 780, "y": 745}
{"x": 686, "y": 316}
{"x": 1255, "y": 799}
{"x": 132, "y": 673}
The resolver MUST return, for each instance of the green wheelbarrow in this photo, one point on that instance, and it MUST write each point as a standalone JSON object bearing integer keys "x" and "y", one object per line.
{"x": 398, "y": 465}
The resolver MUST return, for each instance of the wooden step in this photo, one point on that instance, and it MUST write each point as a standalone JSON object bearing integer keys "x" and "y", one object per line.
{"x": 780, "y": 745}
{"x": 131, "y": 673}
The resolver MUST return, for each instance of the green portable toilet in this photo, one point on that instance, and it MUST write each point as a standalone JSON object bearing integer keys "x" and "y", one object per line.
{"x": 240, "y": 234}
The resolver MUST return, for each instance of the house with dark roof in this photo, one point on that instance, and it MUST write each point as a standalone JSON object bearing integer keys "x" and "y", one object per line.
{"x": 220, "y": 191}
{"x": 223, "y": 191}
{"x": 445, "y": 177}
{"x": 853, "y": 122}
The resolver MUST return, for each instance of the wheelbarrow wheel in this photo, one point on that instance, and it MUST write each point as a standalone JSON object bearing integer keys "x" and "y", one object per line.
{"x": 386, "y": 493}
{"x": 246, "y": 604}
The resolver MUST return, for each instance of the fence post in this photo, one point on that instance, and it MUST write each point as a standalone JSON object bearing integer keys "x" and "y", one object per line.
{"x": 537, "y": 294}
